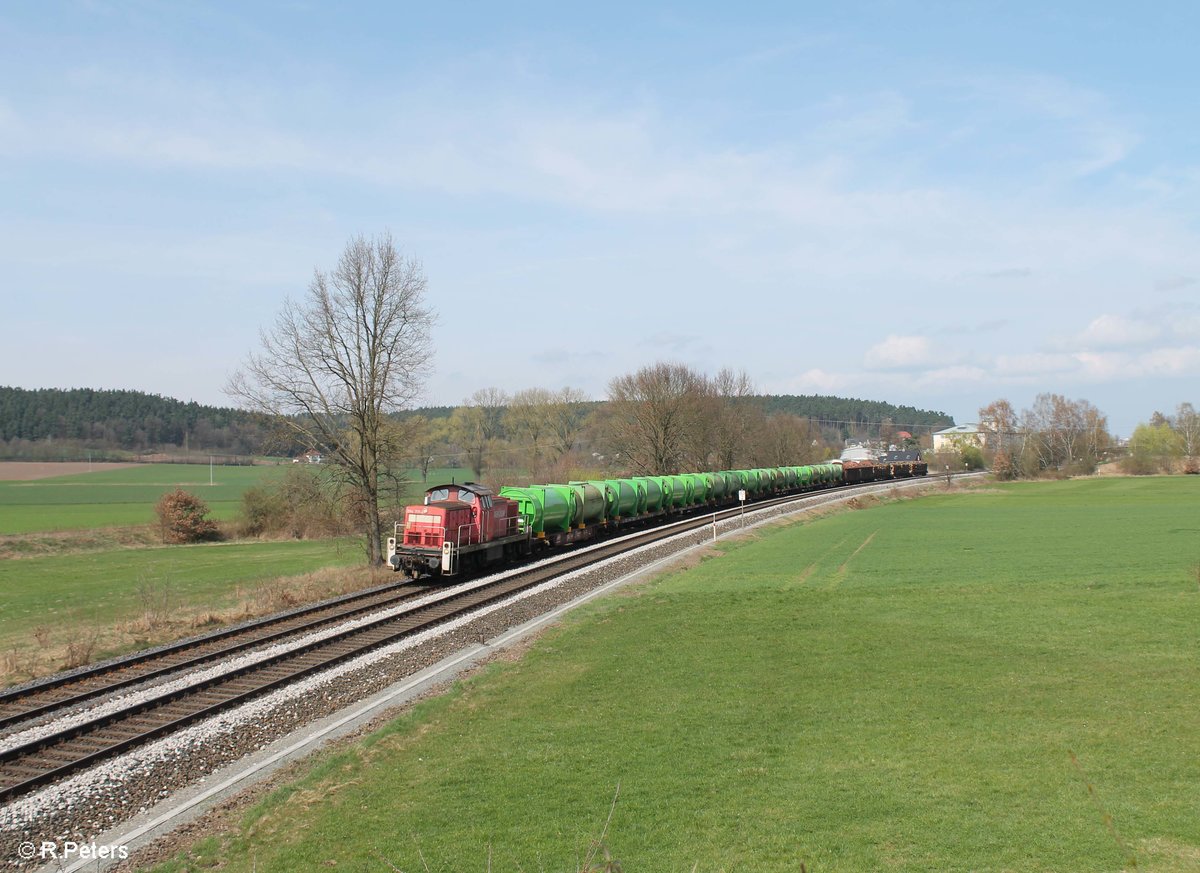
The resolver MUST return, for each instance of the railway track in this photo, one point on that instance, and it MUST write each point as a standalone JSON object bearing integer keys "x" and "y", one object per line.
{"x": 54, "y": 755}
{"x": 59, "y": 692}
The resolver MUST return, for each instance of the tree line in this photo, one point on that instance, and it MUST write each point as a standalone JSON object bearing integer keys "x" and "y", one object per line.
{"x": 1060, "y": 436}
{"x": 865, "y": 419}
{"x": 1166, "y": 443}
{"x": 1054, "y": 435}
{"x": 120, "y": 420}
{"x": 663, "y": 418}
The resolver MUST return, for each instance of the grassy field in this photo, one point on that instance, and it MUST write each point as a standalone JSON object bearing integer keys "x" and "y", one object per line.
{"x": 120, "y": 497}
{"x": 124, "y": 599}
{"x": 1001, "y": 680}
{"x": 126, "y": 497}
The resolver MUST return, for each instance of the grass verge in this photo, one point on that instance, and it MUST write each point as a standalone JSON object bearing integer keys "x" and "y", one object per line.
{"x": 61, "y": 612}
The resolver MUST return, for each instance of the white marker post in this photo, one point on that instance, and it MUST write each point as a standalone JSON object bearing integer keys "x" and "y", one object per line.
{"x": 742, "y": 500}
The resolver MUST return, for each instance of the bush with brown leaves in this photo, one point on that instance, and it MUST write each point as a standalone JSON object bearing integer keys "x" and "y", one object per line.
{"x": 181, "y": 516}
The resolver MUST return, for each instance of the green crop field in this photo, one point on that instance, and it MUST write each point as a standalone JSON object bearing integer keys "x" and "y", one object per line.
{"x": 126, "y": 497}
{"x": 995, "y": 680}
{"x": 120, "y": 497}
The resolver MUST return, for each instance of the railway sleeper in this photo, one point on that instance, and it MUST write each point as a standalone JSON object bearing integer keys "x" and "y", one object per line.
{"x": 14, "y": 774}
{"x": 58, "y": 755}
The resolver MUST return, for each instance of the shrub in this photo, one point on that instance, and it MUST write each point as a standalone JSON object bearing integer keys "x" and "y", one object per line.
{"x": 301, "y": 504}
{"x": 181, "y": 516}
{"x": 972, "y": 457}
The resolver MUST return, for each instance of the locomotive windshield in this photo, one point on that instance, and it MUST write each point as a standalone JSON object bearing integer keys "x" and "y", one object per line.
{"x": 449, "y": 493}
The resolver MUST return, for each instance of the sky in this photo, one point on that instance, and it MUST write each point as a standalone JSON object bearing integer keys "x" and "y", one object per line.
{"x": 933, "y": 204}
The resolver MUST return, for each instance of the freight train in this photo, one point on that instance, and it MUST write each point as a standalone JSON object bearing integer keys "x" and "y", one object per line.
{"x": 469, "y": 527}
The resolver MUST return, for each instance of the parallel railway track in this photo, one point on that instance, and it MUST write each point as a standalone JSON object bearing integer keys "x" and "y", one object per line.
{"x": 59, "y": 692}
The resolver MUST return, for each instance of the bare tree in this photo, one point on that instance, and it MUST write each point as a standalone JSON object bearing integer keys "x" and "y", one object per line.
{"x": 426, "y": 437}
{"x": 659, "y": 418}
{"x": 738, "y": 415}
{"x": 568, "y": 413}
{"x": 1187, "y": 424}
{"x": 1004, "y": 437}
{"x": 476, "y": 426}
{"x": 1062, "y": 434}
{"x": 544, "y": 425}
{"x": 527, "y": 422}
{"x": 334, "y": 365}
{"x": 785, "y": 439}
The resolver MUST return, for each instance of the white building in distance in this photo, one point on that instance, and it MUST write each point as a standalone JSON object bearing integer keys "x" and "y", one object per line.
{"x": 952, "y": 439}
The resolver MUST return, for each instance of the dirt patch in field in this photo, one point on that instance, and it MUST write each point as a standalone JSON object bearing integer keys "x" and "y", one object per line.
{"x": 27, "y": 471}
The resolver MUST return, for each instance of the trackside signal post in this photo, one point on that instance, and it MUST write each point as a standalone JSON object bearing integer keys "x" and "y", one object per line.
{"x": 742, "y": 501}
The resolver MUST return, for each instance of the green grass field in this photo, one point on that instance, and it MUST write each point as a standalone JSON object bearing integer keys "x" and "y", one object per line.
{"x": 1001, "y": 680}
{"x": 126, "y": 497}
{"x": 105, "y": 588}
{"x": 120, "y": 497}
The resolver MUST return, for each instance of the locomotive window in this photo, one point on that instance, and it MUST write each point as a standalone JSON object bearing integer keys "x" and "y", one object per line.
{"x": 439, "y": 494}
{"x": 466, "y": 496}
{"x": 486, "y": 501}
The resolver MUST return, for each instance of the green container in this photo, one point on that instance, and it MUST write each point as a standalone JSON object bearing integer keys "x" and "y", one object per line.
{"x": 639, "y": 490}
{"x": 545, "y": 508}
{"x": 593, "y": 502}
{"x": 606, "y": 488}
{"x": 716, "y": 486}
{"x": 788, "y": 477}
{"x": 681, "y": 491}
{"x": 654, "y": 492}
{"x": 627, "y": 498}
{"x": 701, "y": 488}
{"x": 733, "y": 483}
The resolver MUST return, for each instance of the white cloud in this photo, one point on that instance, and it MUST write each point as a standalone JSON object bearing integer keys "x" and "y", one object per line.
{"x": 1179, "y": 361}
{"x": 900, "y": 353}
{"x": 957, "y": 376}
{"x": 1115, "y": 331}
{"x": 818, "y": 381}
{"x": 1036, "y": 364}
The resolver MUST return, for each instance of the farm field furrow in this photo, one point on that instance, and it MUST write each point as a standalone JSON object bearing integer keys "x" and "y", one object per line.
{"x": 996, "y": 679}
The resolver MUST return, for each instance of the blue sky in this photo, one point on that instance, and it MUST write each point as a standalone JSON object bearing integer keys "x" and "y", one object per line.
{"x": 931, "y": 204}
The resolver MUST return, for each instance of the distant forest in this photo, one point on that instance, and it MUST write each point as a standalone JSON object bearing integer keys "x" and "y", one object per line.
{"x": 856, "y": 417}
{"x": 54, "y": 423}
{"x": 50, "y": 422}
